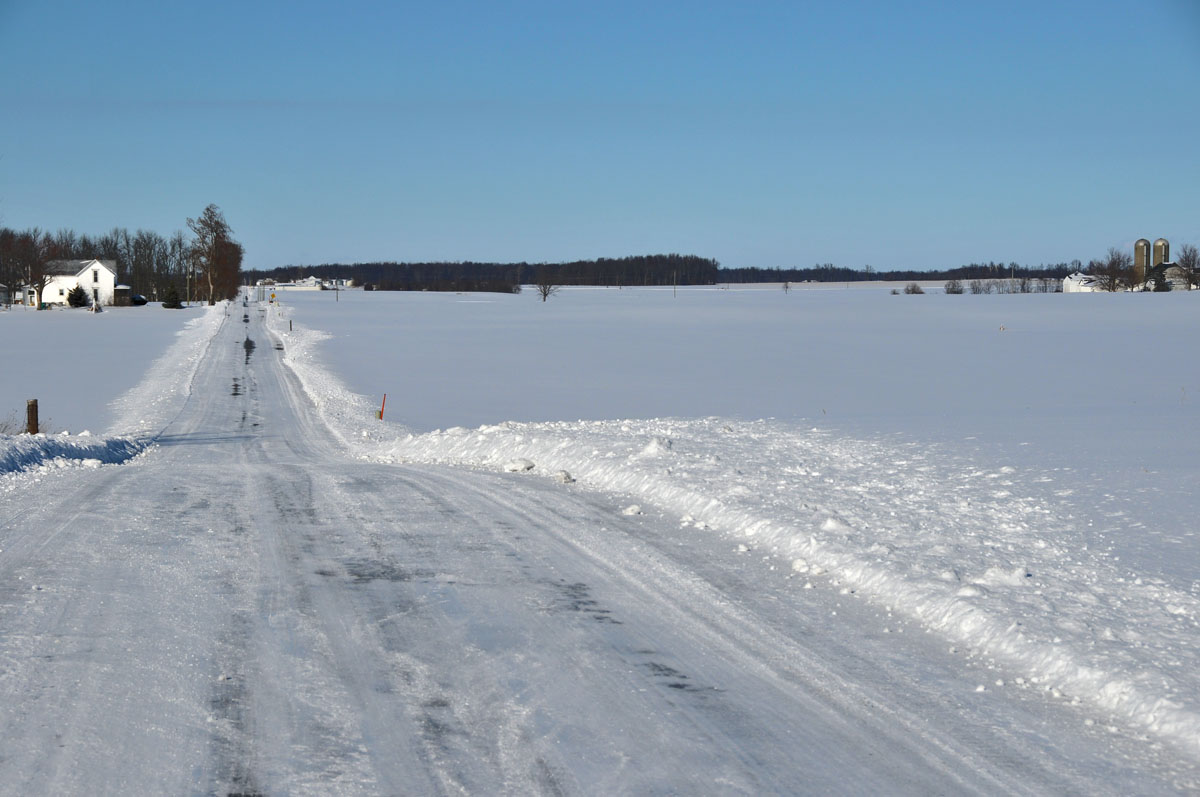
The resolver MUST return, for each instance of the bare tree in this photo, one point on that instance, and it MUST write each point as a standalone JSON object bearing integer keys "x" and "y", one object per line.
{"x": 179, "y": 259}
{"x": 146, "y": 250}
{"x": 229, "y": 268}
{"x": 1114, "y": 272}
{"x": 1188, "y": 261}
{"x": 544, "y": 284}
{"x": 26, "y": 256}
{"x": 11, "y": 273}
{"x": 211, "y": 251}
{"x": 65, "y": 245}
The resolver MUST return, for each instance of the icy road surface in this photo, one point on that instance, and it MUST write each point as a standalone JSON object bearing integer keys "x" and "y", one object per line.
{"x": 245, "y": 609}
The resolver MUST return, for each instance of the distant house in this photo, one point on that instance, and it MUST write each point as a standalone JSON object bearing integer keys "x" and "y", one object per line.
{"x": 1080, "y": 283}
{"x": 305, "y": 284}
{"x": 23, "y": 294}
{"x": 3, "y": 294}
{"x": 97, "y": 277}
{"x": 1171, "y": 274}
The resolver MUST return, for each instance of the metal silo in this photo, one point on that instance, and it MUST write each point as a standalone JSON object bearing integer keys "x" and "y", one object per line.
{"x": 1141, "y": 260}
{"x": 1162, "y": 252}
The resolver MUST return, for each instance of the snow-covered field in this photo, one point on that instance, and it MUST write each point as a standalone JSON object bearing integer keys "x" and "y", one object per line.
{"x": 1015, "y": 473}
{"x": 1013, "y": 476}
{"x": 123, "y": 371}
{"x": 75, "y": 363}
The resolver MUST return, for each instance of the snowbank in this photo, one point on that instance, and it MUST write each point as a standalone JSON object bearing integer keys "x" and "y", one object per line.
{"x": 987, "y": 558}
{"x": 22, "y": 452}
{"x": 148, "y": 406}
{"x": 958, "y": 550}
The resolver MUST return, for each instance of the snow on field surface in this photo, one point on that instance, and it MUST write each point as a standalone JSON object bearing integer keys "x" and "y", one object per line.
{"x": 124, "y": 371}
{"x": 1014, "y": 473}
{"x": 75, "y": 362}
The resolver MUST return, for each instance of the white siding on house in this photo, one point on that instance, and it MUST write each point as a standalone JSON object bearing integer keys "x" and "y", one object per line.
{"x": 97, "y": 279}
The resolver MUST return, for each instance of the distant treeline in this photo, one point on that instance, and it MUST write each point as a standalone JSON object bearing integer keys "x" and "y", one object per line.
{"x": 643, "y": 270}
{"x": 831, "y": 273}
{"x": 505, "y": 277}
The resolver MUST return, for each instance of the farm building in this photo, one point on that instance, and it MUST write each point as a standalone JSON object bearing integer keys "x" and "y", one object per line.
{"x": 98, "y": 278}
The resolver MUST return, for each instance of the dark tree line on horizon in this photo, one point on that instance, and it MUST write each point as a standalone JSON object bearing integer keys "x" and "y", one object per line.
{"x": 643, "y": 270}
{"x": 831, "y": 273}
{"x": 506, "y": 277}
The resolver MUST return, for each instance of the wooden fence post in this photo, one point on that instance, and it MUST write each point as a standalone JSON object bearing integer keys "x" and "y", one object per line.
{"x": 31, "y": 417}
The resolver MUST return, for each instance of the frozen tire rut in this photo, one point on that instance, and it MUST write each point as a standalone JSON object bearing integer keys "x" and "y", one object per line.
{"x": 245, "y": 610}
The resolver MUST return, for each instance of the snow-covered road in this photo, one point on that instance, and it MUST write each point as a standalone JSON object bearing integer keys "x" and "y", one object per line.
{"x": 248, "y": 609}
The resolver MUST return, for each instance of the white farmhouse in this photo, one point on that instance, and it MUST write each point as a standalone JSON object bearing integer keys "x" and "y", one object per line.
{"x": 97, "y": 277}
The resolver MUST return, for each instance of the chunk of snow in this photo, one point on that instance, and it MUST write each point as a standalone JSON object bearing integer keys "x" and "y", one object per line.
{"x": 1004, "y": 577}
{"x": 656, "y": 447}
{"x": 518, "y": 465}
{"x": 832, "y": 524}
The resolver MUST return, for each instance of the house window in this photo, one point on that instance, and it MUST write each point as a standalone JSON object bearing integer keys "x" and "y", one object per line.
{"x": 60, "y": 291}
{"x": 95, "y": 275}
{"x": 95, "y": 295}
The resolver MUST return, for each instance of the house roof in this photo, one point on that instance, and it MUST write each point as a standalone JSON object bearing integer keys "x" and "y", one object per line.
{"x": 72, "y": 267}
{"x": 1167, "y": 271}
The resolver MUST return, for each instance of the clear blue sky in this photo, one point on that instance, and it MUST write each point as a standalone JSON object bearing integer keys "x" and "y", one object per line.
{"x": 862, "y": 132}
